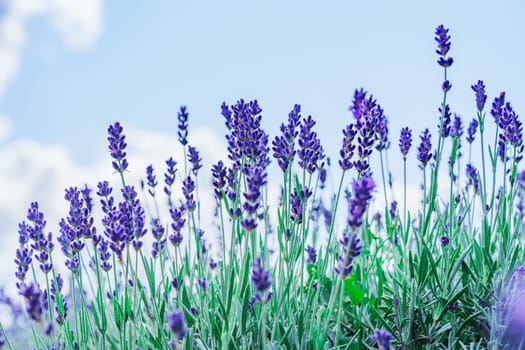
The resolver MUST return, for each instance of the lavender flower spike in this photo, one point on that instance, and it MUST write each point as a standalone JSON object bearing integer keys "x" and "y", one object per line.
{"x": 261, "y": 279}
{"x": 425, "y": 147}
{"x": 176, "y": 324}
{"x": 471, "y": 132}
{"x": 481, "y": 96}
{"x": 195, "y": 159}
{"x": 357, "y": 204}
{"x": 117, "y": 145}
{"x": 183, "y": 125}
{"x": 405, "y": 141}
{"x": 443, "y": 40}
{"x": 382, "y": 338}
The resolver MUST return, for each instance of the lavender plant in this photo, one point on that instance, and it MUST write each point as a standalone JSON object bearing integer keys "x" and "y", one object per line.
{"x": 143, "y": 272}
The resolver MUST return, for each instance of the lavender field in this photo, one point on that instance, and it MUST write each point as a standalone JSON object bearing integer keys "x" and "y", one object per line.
{"x": 290, "y": 247}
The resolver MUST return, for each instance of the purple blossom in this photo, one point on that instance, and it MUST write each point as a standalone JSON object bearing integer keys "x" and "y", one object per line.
{"x": 298, "y": 200}
{"x": 405, "y": 141}
{"x": 393, "y": 209}
{"x": 42, "y": 244}
{"x": 261, "y": 279}
{"x": 169, "y": 176}
{"x": 445, "y": 119}
{"x": 457, "y": 126}
{"x": 471, "y": 132}
{"x": 104, "y": 255}
{"x": 35, "y": 301}
{"x": 182, "y": 116}
{"x": 151, "y": 180}
{"x": 283, "y": 145}
{"x": 348, "y": 148}
{"x": 481, "y": 96}
{"x": 247, "y": 139}
{"x": 195, "y": 159}
{"x": 473, "y": 177}
{"x": 57, "y": 297}
{"x": 312, "y": 255}
{"x": 382, "y": 338}
{"x": 358, "y": 202}
{"x": 443, "y": 40}
{"x": 178, "y": 220}
{"x": 446, "y": 86}
{"x": 425, "y": 147}
{"x": 351, "y": 246}
{"x": 176, "y": 324}
{"x": 381, "y": 130}
{"x": 202, "y": 283}
{"x": 117, "y": 146}
{"x": 310, "y": 151}
{"x": 444, "y": 240}
{"x": 497, "y": 107}
{"x": 158, "y": 233}
{"x": 111, "y": 220}
{"x": 256, "y": 180}
{"x": 188, "y": 186}
{"x": 218, "y": 179}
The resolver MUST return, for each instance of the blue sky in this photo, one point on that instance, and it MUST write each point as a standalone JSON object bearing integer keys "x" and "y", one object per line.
{"x": 152, "y": 56}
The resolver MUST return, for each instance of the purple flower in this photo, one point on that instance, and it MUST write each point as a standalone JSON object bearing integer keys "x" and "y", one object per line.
{"x": 202, "y": 283}
{"x": 176, "y": 324}
{"x": 457, "y": 126}
{"x": 445, "y": 240}
{"x": 219, "y": 179}
{"x": 256, "y": 180}
{"x": 57, "y": 297}
{"x": 151, "y": 180}
{"x": 445, "y": 119}
{"x": 351, "y": 249}
{"x": 425, "y": 147}
{"x": 383, "y": 338}
{"x": 298, "y": 201}
{"x": 158, "y": 233}
{"x": 188, "y": 186}
{"x": 393, "y": 209}
{"x": 111, "y": 220}
{"x": 471, "y": 132}
{"x": 176, "y": 225}
{"x": 497, "y": 107}
{"x": 312, "y": 255}
{"x": 348, "y": 148}
{"x": 283, "y": 145}
{"x": 405, "y": 141}
{"x": 446, "y": 86}
{"x": 261, "y": 279}
{"x": 117, "y": 145}
{"x": 132, "y": 217}
{"x": 473, "y": 177}
{"x": 310, "y": 151}
{"x": 36, "y": 301}
{"x": 169, "y": 176}
{"x": 183, "y": 125}
{"x": 481, "y": 96}
{"x": 247, "y": 139}
{"x": 195, "y": 160}
{"x": 443, "y": 41}
{"x": 358, "y": 202}
{"x": 42, "y": 244}
{"x": 381, "y": 130}
{"x": 104, "y": 255}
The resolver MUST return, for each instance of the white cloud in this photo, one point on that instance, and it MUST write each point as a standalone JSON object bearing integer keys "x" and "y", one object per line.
{"x": 79, "y": 22}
